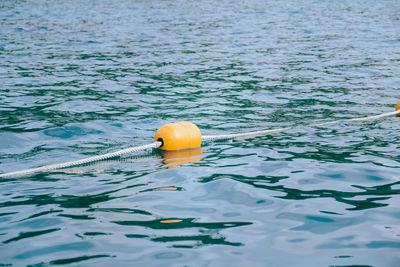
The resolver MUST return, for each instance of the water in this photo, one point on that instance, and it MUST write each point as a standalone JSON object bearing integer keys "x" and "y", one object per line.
{"x": 81, "y": 78}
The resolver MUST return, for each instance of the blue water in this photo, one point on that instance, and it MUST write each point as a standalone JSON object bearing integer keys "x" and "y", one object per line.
{"x": 82, "y": 78}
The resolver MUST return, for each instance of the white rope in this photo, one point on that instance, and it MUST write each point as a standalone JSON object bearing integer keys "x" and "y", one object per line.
{"x": 248, "y": 134}
{"x": 81, "y": 161}
{"x": 158, "y": 144}
{"x": 266, "y": 132}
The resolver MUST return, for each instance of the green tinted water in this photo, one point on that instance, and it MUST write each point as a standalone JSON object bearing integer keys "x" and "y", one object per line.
{"x": 81, "y": 78}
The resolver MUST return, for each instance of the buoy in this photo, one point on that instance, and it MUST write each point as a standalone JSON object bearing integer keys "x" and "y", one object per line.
{"x": 397, "y": 108}
{"x": 178, "y": 135}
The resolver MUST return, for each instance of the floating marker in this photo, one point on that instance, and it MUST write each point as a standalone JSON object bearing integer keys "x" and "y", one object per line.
{"x": 178, "y": 135}
{"x": 397, "y": 108}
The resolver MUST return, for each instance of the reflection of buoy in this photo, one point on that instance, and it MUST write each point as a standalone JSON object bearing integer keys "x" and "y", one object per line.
{"x": 175, "y": 158}
{"x": 397, "y": 108}
{"x": 178, "y": 135}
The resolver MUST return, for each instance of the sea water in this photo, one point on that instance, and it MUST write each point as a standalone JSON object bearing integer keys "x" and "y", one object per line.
{"x": 82, "y": 78}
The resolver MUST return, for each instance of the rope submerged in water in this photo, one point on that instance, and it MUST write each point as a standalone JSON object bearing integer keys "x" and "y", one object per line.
{"x": 158, "y": 144}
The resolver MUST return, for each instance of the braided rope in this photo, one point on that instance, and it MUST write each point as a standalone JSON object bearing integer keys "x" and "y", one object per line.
{"x": 81, "y": 161}
{"x": 248, "y": 134}
{"x": 266, "y": 132}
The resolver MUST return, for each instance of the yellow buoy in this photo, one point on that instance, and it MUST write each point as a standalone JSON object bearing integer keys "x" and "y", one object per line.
{"x": 178, "y": 135}
{"x": 397, "y": 108}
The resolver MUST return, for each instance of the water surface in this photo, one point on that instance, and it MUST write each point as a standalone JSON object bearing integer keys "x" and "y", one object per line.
{"x": 82, "y": 78}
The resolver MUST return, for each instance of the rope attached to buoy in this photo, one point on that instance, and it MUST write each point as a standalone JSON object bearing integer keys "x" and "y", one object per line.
{"x": 81, "y": 161}
{"x": 278, "y": 130}
{"x": 181, "y": 135}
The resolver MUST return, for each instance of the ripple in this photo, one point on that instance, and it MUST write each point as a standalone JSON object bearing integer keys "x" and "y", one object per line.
{"x": 105, "y": 75}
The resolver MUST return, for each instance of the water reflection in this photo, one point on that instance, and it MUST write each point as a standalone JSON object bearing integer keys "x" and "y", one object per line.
{"x": 200, "y": 240}
{"x": 208, "y": 233}
{"x": 171, "y": 159}
{"x": 106, "y": 74}
{"x": 372, "y": 194}
{"x": 174, "y": 159}
{"x": 181, "y": 223}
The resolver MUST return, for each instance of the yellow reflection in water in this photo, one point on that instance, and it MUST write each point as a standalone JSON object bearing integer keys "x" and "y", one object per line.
{"x": 166, "y": 188}
{"x": 176, "y": 158}
{"x": 171, "y": 221}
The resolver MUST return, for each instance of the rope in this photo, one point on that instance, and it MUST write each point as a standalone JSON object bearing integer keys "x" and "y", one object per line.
{"x": 266, "y": 132}
{"x": 81, "y": 161}
{"x": 248, "y": 134}
{"x": 158, "y": 144}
